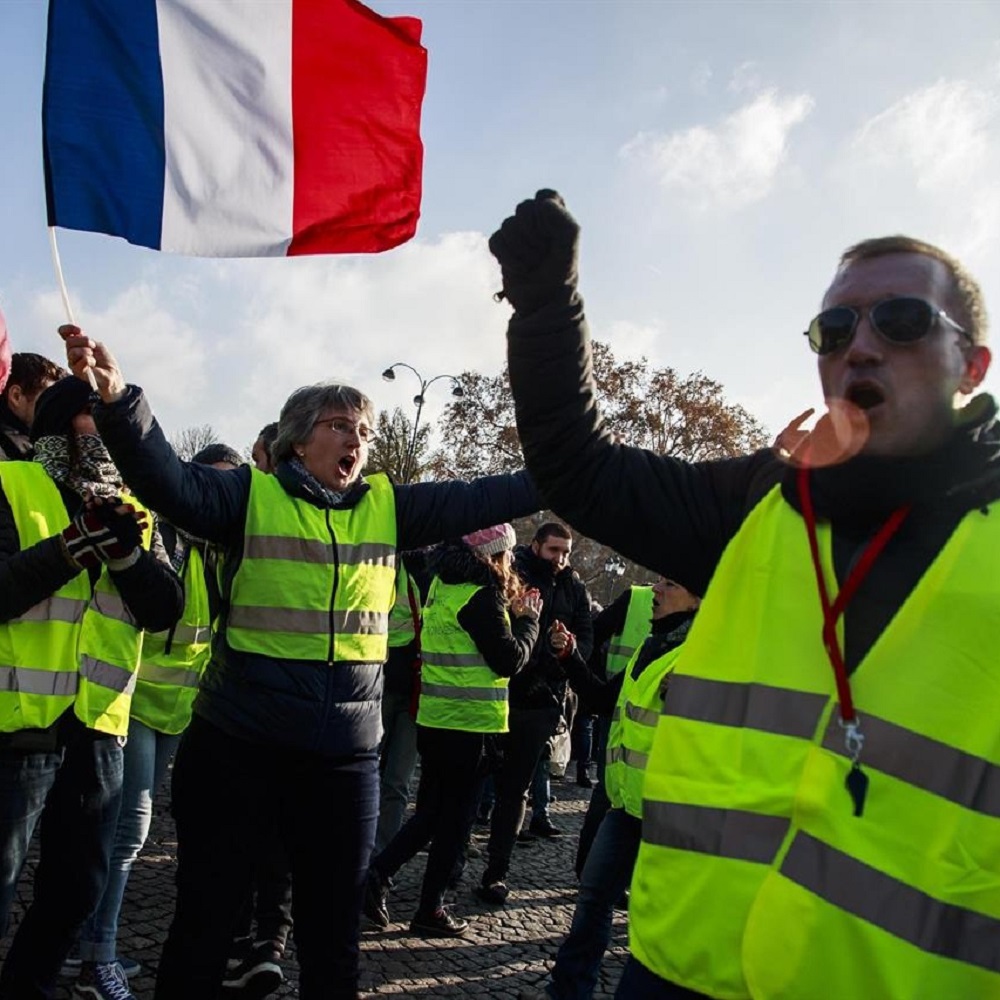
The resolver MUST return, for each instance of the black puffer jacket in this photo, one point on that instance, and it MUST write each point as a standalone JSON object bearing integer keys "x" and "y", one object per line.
{"x": 506, "y": 647}
{"x": 542, "y": 684}
{"x": 677, "y": 517}
{"x": 288, "y": 702}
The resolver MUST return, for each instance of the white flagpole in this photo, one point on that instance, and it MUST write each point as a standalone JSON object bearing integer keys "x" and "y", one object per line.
{"x": 65, "y": 294}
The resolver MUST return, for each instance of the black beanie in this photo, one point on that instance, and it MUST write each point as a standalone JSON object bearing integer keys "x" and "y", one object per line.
{"x": 58, "y": 405}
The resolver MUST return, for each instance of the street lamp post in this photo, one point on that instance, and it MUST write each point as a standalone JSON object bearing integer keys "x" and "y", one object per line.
{"x": 418, "y": 400}
{"x": 614, "y": 566}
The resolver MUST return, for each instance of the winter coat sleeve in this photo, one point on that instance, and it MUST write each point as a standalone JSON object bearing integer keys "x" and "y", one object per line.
{"x": 151, "y": 589}
{"x": 600, "y": 695}
{"x": 208, "y": 503}
{"x": 431, "y": 512}
{"x": 582, "y": 625}
{"x": 672, "y": 516}
{"x": 506, "y": 647}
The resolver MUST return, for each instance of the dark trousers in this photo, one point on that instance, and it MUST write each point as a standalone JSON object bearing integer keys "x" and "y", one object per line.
{"x": 226, "y": 794}
{"x": 72, "y": 793}
{"x": 449, "y": 765}
{"x": 599, "y": 802}
{"x": 638, "y": 981}
{"x": 269, "y": 900}
{"x": 530, "y": 729}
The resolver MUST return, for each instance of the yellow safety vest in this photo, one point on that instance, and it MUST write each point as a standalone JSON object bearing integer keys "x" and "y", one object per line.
{"x": 315, "y": 583}
{"x": 402, "y": 625}
{"x": 79, "y": 646}
{"x": 633, "y": 726}
{"x": 457, "y": 688}
{"x": 625, "y": 644}
{"x": 755, "y": 878}
{"x": 173, "y": 661}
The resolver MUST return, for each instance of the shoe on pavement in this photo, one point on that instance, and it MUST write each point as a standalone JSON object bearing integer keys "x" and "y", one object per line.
{"x": 240, "y": 950}
{"x": 439, "y": 923}
{"x": 544, "y": 828}
{"x": 104, "y": 981}
{"x": 376, "y": 907}
{"x": 584, "y": 780}
{"x": 257, "y": 976}
{"x": 526, "y": 837}
{"x": 495, "y": 893}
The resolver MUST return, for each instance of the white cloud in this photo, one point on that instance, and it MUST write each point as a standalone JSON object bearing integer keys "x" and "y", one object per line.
{"x": 941, "y": 133}
{"x": 745, "y": 78}
{"x": 631, "y": 340}
{"x": 730, "y": 166}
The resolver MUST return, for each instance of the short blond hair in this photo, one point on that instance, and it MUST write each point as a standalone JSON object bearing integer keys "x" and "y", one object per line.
{"x": 968, "y": 294}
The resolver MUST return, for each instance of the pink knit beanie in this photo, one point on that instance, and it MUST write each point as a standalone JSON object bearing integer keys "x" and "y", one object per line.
{"x": 490, "y": 541}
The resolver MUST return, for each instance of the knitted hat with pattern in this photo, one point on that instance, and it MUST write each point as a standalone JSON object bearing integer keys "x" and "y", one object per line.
{"x": 490, "y": 541}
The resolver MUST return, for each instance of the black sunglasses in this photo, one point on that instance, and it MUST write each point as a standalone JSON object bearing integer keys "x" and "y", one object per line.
{"x": 900, "y": 320}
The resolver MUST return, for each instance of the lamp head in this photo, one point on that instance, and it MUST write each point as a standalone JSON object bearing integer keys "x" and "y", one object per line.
{"x": 389, "y": 375}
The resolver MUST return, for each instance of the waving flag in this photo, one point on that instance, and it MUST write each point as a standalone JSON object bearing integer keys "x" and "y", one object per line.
{"x": 234, "y": 129}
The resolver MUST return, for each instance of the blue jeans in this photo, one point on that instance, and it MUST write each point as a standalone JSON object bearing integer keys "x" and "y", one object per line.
{"x": 71, "y": 792}
{"x": 605, "y": 877}
{"x": 397, "y": 762}
{"x": 228, "y": 794}
{"x": 147, "y": 754}
{"x": 541, "y": 789}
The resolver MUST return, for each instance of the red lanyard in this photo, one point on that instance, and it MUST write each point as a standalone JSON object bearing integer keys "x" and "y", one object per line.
{"x": 853, "y": 736}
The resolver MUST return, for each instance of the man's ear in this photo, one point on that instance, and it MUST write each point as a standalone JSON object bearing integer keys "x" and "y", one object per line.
{"x": 977, "y": 364}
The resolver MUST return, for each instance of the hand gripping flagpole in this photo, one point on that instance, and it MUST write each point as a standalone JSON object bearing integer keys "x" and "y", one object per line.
{"x": 65, "y": 294}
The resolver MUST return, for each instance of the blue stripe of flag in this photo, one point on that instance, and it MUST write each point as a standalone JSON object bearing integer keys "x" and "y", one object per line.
{"x": 102, "y": 119}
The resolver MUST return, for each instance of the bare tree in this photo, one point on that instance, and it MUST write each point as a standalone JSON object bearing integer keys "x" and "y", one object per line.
{"x": 191, "y": 440}
{"x": 391, "y": 450}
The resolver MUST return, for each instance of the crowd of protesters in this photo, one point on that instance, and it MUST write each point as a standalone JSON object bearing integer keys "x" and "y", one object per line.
{"x": 795, "y": 724}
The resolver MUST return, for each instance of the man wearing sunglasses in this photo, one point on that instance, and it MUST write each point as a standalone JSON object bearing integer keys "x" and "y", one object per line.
{"x": 821, "y": 806}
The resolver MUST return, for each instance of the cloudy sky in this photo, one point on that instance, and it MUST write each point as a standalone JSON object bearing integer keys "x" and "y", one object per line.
{"x": 719, "y": 156}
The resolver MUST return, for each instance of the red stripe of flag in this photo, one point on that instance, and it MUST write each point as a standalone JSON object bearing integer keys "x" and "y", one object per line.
{"x": 357, "y": 84}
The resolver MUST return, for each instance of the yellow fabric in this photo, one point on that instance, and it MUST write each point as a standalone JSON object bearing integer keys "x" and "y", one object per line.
{"x": 754, "y": 878}
{"x": 315, "y": 584}
{"x": 79, "y": 647}
{"x": 623, "y": 646}
{"x": 457, "y": 688}
{"x": 168, "y": 676}
{"x": 402, "y": 627}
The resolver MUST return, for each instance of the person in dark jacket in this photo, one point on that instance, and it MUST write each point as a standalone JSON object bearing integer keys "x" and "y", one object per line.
{"x": 904, "y": 457}
{"x": 286, "y": 725}
{"x": 537, "y": 694}
{"x": 479, "y": 630}
{"x": 30, "y": 375}
{"x": 79, "y": 580}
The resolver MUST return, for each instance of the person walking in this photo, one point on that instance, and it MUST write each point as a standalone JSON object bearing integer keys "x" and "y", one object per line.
{"x": 79, "y": 581}
{"x": 478, "y": 632}
{"x": 286, "y": 724}
{"x": 818, "y": 819}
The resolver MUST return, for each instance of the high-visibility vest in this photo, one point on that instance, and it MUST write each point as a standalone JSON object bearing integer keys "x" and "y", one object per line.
{"x": 173, "y": 661}
{"x": 405, "y": 611}
{"x": 633, "y": 726}
{"x": 625, "y": 644}
{"x": 457, "y": 688}
{"x": 79, "y": 646}
{"x": 754, "y": 877}
{"x": 315, "y": 583}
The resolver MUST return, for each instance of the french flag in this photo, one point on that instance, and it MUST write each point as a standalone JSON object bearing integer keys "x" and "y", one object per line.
{"x": 234, "y": 128}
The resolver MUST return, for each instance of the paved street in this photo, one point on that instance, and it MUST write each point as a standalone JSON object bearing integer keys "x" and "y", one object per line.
{"x": 505, "y": 950}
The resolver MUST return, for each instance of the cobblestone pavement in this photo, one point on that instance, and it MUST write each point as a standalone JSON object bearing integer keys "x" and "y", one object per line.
{"x": 505, "y": 950}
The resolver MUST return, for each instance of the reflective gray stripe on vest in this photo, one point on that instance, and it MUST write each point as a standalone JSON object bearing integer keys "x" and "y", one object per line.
{"x": 752, "y": 706}
{"x": 302, "y": 622}
{"x": 726, "y": 833}
{"x": 869, "y": 894}
{"x": 643, "y": 716}
{"x": 190, "y": 635}
{"x": 453, "y": 659}
{"x": 176, "y": 676}
{"x": 111, "y": 605}
{"x": 312, "y": 550}
{"x": 55, "y": 609}
{"x": 626, "y": 756}
{"x": 616, "y": 714}
{"x": 925, "y": 763}
{"x": 617, "y": 649}
{"x": 107, "y": 675}
{"x": 464, "y": 693}
{"x": 29, "y": 680}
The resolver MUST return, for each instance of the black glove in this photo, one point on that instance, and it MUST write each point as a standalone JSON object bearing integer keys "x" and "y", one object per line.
{"x": 117, "y": 537}
{"x": 538, "y": 248}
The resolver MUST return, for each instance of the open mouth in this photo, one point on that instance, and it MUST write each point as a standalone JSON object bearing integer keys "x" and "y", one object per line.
{"x": 346, "y": 465}
{"x": 865, "y": 395}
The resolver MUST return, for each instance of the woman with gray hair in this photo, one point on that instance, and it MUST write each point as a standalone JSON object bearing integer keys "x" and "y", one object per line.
{"x": 286, "y": 726}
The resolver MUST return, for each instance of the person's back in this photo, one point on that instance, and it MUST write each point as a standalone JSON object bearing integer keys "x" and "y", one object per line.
{"x": 817, "y": 807}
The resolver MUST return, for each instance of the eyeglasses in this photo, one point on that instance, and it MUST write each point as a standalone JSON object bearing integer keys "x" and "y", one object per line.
{"x": 900, "y": 320}
{"x": 345, "y": 428}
